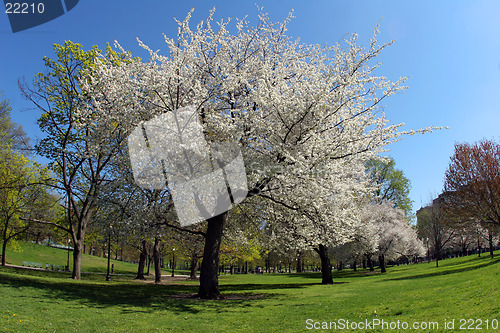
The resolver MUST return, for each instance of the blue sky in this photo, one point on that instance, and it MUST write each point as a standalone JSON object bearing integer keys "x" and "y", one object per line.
{"x": 449, "y": 50}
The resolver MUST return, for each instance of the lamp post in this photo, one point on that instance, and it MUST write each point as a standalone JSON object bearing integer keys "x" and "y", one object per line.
{"x": 108, "y": 275}
{"x": 173, "y": 261}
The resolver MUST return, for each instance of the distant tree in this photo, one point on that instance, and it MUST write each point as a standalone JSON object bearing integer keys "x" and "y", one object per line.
{"x": 21, "y": 190}
{"x": 472, "y": 186}
{"x": 390, "y": 183}
{"x": 395, "y": 237}
{"x": 11, "y": 132}
{"x": 21, "y": 194}
{"x": 434, "y": 228}
{"x": 364, "y": 243}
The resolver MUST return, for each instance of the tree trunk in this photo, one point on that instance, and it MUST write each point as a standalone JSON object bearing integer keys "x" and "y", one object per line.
{"x": 438, "y": 255}
{"x": 4, "y": 249}
{"x": 340, "y": 266}
{"x": 142, "y": 261}
{"x": 77, "y": 259}
{"x": 326, "y": 266}
{"x": 149, "y": 265}
{"x": 490, "y": 242}
{"x": 299, "y": 262}
{"x": 193, "y": 268}
{"x": 370, "y": 263}
{"x": 156, "y": 258}
{"x": 479, "y": 247}
{"x": 354, "y": 265}
{"x": 209, "y": 280}
{"x": 381, "y": 259}
{"x": 5, "y": 240}
{"x": 78, "y": 233}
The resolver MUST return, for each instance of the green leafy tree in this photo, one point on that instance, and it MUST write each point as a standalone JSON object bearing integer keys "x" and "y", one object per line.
{"x": 391, "y": 183}
{"x": 78, "y": 154}
{"x": 11, "y": 133}
{"x": 20, "y": 182}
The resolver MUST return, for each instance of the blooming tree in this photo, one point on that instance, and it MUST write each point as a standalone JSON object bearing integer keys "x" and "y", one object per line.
{"x": 383, "y": 231}
{"x": 396, "y": 237}
{"x": 306, "y": 117}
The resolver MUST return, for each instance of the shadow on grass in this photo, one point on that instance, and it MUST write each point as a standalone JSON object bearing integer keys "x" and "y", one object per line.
{"x": 450, "y": 269}
{"x": 136, "y": 297}
{"x": 265, "y": 286}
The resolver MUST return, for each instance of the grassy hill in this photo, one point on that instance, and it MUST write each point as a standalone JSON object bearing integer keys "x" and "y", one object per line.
{"x": 49, "y": 255}
{"x": 462, "y": 291}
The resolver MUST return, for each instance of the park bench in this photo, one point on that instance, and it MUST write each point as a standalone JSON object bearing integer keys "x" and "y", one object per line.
{"x": 32, "y": 264}
{"x": 55, "y": 267}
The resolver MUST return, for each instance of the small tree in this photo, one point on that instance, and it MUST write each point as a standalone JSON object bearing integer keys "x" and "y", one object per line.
{"x": 434, "y": 228}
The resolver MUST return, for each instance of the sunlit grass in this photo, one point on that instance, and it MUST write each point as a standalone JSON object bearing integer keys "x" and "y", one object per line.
{"x": 462, "y": 288}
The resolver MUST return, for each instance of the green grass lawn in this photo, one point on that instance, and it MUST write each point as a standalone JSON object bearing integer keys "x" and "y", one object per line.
{"x": 460, "y": 289}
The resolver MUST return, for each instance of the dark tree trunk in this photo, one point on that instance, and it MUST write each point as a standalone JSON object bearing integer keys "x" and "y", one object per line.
{"x": 142, "y": 261}
{"x": 4, "y": 249}
{"x": 381, "y": 259}
{"x": 370, "y": 263}
{"x": 209, "y": 280}
{"x": 299, "y": 262}
{"x": 340, "y": 266}
{"x": 156, "y": 258}
{"x": 149, "y": 264}
{"x": 4, "y": 241}
{"x": 490, "y": 242}
{"x": 193, "y": 268}
{"x": 78, "y": 241}
{"x": 326, "y": 266}
{"x": 77, "y": 259}
{"x": 354, "y": 265}
{"x": 231, "y": 269}
{"x": 437, "y": 252}
{"x": 479, "y": 247}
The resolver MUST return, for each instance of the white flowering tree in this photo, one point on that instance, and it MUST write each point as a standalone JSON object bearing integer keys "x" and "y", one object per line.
{"x": 362, "y": 246}
{"x": 396, "y": 237}
{"x": 305, "y": 116}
